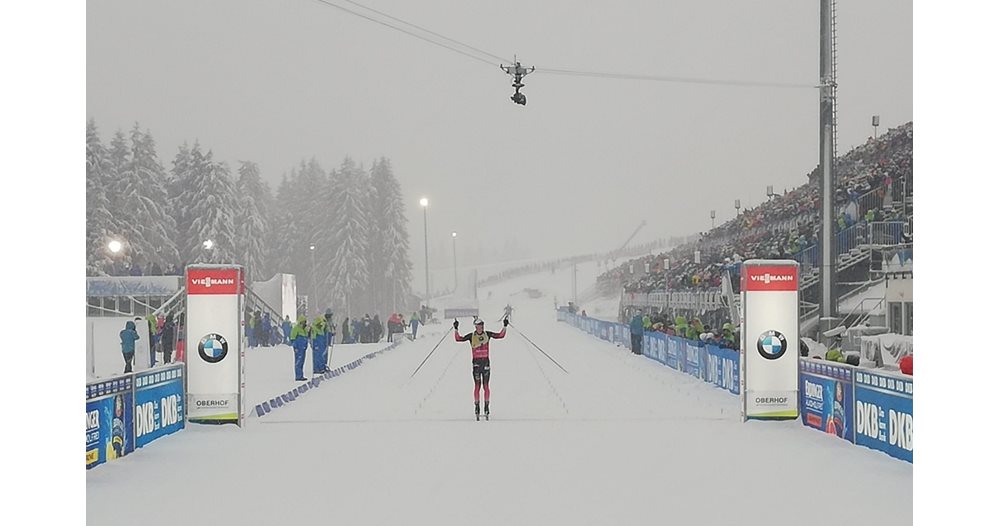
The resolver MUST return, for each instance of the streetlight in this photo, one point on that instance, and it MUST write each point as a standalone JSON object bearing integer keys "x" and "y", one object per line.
{"x": 454, "y": 255}
{"x": 770, "y": 191}
{"x": 712, "y": 214}
{"x": 427, "y": 267}
{"x": 875, "y": 125}
{"x": 737, "y": 205}
{"x": 312, "y": 258}
{"x": 115, "y": 246}
{"x": 208, "y": 244}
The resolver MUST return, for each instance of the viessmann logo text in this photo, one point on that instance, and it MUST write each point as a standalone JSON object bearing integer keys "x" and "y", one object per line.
{"x": 207, "y": 282}
{"x": 767, "y": 278}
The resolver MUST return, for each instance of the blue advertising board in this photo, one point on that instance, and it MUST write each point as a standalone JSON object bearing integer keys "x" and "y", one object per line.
{"x": 884, "y": 413}
{"x": 826, "y": 397}
{"x": 159, "y": 403}
{"x": 722, "y": 368}
{"x": 110, "y": 431}
{"x": 692, "y": 358}
{"x": 674, "y": 352}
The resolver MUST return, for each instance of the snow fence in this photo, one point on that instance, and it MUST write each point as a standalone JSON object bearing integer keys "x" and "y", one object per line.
{"x": 267, "y": 406}
{"x": 868, "y": 408}
{"x": 131, "y": 410}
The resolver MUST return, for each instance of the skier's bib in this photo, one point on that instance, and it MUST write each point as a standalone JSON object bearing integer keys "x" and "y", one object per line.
{"x": 480, "y": 345}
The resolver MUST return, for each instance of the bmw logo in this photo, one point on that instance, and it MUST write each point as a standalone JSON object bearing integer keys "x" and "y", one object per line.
{"x": 213, "y": 348}
{"x": 771, "y": 345}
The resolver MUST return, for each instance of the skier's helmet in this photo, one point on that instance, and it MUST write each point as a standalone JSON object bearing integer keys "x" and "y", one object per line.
{"x": 479, "y": 321}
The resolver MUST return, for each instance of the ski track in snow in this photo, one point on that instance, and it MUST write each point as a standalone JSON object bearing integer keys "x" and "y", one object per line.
{"x": 621, "y": 439}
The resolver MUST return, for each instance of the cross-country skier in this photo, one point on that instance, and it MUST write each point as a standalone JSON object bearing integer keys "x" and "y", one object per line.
{"x": 480, "y": 340}
{"x": 507, "y": 311}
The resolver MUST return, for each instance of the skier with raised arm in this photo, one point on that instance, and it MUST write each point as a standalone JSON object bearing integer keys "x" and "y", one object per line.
{"x": 480, "y": 341}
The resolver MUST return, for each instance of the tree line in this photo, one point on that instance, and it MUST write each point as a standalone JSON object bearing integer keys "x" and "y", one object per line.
{"x": 342, "y": 232}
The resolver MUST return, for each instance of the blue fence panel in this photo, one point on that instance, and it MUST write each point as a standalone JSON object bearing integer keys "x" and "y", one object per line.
{"x": 722, "y": 368}
{"x": 159, "y": 403}
{"x": 692, "y": 364}
{"x": 674, "y": 352}
{"x": 884, "y": 413}
{"x": 826, "y": 397}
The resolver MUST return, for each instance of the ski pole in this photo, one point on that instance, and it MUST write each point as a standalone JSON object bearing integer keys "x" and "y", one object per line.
{"x": 429, "y": 354}
{"x": 540, "y": 349}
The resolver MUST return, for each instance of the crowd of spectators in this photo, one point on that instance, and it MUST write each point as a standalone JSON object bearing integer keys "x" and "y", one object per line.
{"x": 149, "y": 269}
{"x": 781, "y": 227}
{"x": 723, "y": 335}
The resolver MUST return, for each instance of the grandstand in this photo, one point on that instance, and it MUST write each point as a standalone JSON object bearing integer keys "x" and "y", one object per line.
{"x": 873, "y": 245}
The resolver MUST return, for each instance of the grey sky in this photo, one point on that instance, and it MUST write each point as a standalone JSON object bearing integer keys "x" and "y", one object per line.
{"x": 573, "y": 171}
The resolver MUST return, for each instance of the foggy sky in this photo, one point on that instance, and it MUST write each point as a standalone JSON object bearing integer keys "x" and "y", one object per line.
{"x": 574, "y": 171}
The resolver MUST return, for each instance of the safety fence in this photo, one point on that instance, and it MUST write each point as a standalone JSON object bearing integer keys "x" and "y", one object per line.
{"x": 866, "y": 407}
{"x": 129, "y": 411}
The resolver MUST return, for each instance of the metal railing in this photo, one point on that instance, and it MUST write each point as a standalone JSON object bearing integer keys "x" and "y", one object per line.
{"x": 699, "y": 301}
{"x": 886, "y": 232}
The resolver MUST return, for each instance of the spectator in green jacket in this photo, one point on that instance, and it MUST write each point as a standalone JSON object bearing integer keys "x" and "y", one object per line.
{"x": 728, "y": 337}
{"x": 300, "y": 341}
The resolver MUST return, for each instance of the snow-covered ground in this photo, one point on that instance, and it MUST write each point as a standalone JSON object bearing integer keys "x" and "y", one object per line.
{"x": 619, "y": 440}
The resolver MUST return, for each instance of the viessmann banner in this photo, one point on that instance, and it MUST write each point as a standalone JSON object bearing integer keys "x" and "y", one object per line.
{"x": 770, "y": 338}
{"x": 214, "y": 343}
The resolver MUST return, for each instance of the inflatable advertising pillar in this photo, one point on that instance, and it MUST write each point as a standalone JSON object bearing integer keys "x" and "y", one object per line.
{"x": 214, "y": 344}
{"x": 769, "y": 343}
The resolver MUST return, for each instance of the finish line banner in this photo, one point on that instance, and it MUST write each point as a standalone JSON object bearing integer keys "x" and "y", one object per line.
{"x": 770, "y": 339}
{"x": 214, "y": 343}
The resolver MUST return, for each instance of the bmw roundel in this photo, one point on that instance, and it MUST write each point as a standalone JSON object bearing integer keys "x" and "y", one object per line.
{"x": 213, "y": 348}
{"x": 771, "y": 345}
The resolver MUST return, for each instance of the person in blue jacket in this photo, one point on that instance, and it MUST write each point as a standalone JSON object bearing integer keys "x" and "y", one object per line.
{"x": 286, "y": 330}
{"x": 414, "y": 322}
{"x": 300, "y": 340}
{"x": 128, "y": 336}
{"x": 319, "y": 344}
{"x": 636, "y": 328}
{"x": 267, "y": 329}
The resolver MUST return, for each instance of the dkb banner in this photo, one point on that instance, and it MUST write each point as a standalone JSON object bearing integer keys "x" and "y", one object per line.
{"x": 109, "y": 420}
{"x": 826, "y": 393}
{"x": 214, "y": 343}
{"x": 722, "y": 368}
{"x": 884, "y": 413}
{"x": 159, "y": 403}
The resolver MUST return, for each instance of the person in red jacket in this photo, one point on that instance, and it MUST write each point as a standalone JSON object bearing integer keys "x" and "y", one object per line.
{"x": 906, "y": 365}
{"x": 480, "y": 341}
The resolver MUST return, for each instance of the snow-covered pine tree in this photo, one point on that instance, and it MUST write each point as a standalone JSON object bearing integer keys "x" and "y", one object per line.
{"x": 348, "y": 272}
{"x": 100, "y": 224}
{"x": 119, "y": 154}
{"x": 392, "y": 237}
{"x": 176, "y": 183}
{"x": 307, "y": 207}
{"x": 157, "y": 225}
{"x": 212, "y": 210}
{"x": 251, "y": 221}
{"x": 140, "y": 201}
{"x": 284, "y": 232}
